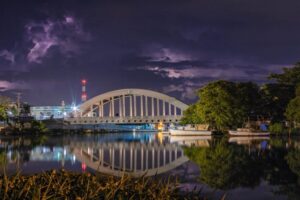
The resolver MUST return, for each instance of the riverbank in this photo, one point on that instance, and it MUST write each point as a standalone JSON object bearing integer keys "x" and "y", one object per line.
{"x": 70, "y": 185}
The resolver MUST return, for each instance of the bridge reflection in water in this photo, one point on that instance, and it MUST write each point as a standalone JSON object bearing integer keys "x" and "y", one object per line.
{"x": 134, "y": 154}
{"x": 135, "y": 159}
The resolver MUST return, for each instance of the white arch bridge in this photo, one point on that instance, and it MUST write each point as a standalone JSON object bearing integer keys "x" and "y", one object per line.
{"x": 129, "y": 106}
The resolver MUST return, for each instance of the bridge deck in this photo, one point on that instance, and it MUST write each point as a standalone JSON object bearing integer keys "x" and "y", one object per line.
{"x": 124, "y": 120}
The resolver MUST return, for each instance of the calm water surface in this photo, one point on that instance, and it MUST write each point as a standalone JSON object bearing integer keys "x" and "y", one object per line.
{"x": 241, "y": 168}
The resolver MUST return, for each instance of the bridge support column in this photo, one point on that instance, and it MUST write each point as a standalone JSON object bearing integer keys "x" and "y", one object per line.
{"x": 120, "y": 108}
{"x": 110, "y": 107}
{"x": 175, "y": 111}
{"x": 142, "y": 106}
{"x": 91, "y": 111}
{"x": 123, "y": 105}
{"x": 102, "y": 109}
{"x": 157, "y": 107}
{"x": 130, "y": 106}
{"x": 113, "y": 106}
{"x": 170, "y": 113}
{"x": 99, "y": 109}
{"x": 164, "y": 108}
{"x": 146, "y": 106}
{"x": 152, "y": 106}
{"x": 134, "y": 104}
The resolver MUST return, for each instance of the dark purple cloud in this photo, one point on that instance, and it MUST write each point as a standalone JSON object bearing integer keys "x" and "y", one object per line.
{"x": 9, "y": 56}
{"x": 6, "y": 85}
{"x": 63, "y": 34}
{"x": 169, "y": 46}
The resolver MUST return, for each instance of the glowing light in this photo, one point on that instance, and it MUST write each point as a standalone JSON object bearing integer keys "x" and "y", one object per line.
{"x": 83, "y": 81}
{"x": 83, "y": 166}
{"x": 74, "y": 108}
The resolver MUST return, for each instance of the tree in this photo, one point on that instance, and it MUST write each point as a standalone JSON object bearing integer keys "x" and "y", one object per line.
{"x": 191, "y": 115}
{"x": 249, "y": 99}
{"x": 283, "y": 92}
{"x": 38, "y": 126}
{"x": 224, "y": 104}
{"x": 216, "y": 104}
{"x": 290, "y": 76}
{"x": 293, "y": 109}
{"x": 275, "y": 98}
{"x": 4, "y": 106}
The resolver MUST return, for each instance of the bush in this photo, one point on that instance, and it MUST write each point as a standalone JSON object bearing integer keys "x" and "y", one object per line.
{"x": 295, "y": 131}
{"x": 276, "y": 128}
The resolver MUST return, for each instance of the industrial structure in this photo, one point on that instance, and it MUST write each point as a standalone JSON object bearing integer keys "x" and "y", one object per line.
{"x": 83, "y": 90}
{"x": 50, "y": 112}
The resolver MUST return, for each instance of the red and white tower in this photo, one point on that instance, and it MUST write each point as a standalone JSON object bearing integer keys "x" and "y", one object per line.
{"x": 83, "y": 90}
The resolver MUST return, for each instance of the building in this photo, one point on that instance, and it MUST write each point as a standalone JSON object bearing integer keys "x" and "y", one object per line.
{"x": 50, "y": 112}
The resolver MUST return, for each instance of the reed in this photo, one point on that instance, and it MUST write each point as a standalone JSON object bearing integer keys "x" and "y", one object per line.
{"x": 70, "y": 185}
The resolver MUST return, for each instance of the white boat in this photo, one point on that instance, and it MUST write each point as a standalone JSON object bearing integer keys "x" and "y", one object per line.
{"x": 190, "y": 130}
{"x": 247, "y": 139}
{"x": 248, "y": 132}
{"x": 198, "y": 141}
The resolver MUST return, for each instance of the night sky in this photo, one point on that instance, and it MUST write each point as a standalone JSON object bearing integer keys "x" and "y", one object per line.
{"x": 47, "y": 47}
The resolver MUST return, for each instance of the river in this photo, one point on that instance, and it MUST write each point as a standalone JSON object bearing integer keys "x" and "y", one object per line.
{"x": 238, "y": 167}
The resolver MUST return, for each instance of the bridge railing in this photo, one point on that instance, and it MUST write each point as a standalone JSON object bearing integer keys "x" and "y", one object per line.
{"x": 124, "y": 120}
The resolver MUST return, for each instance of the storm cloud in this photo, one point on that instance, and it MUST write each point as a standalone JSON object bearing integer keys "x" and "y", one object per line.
{"x": 170, "y": 46}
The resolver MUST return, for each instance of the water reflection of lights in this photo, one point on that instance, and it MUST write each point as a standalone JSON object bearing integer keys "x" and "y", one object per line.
{"x": 51, "y": 154}
{"x": 160, "y": 137}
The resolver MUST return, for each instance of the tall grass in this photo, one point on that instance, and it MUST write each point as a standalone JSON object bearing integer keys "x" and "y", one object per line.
{"x": 70, "y": 185}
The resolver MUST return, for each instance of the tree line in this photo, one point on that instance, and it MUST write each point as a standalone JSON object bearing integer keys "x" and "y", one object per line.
{"x": 225, "y": 104}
